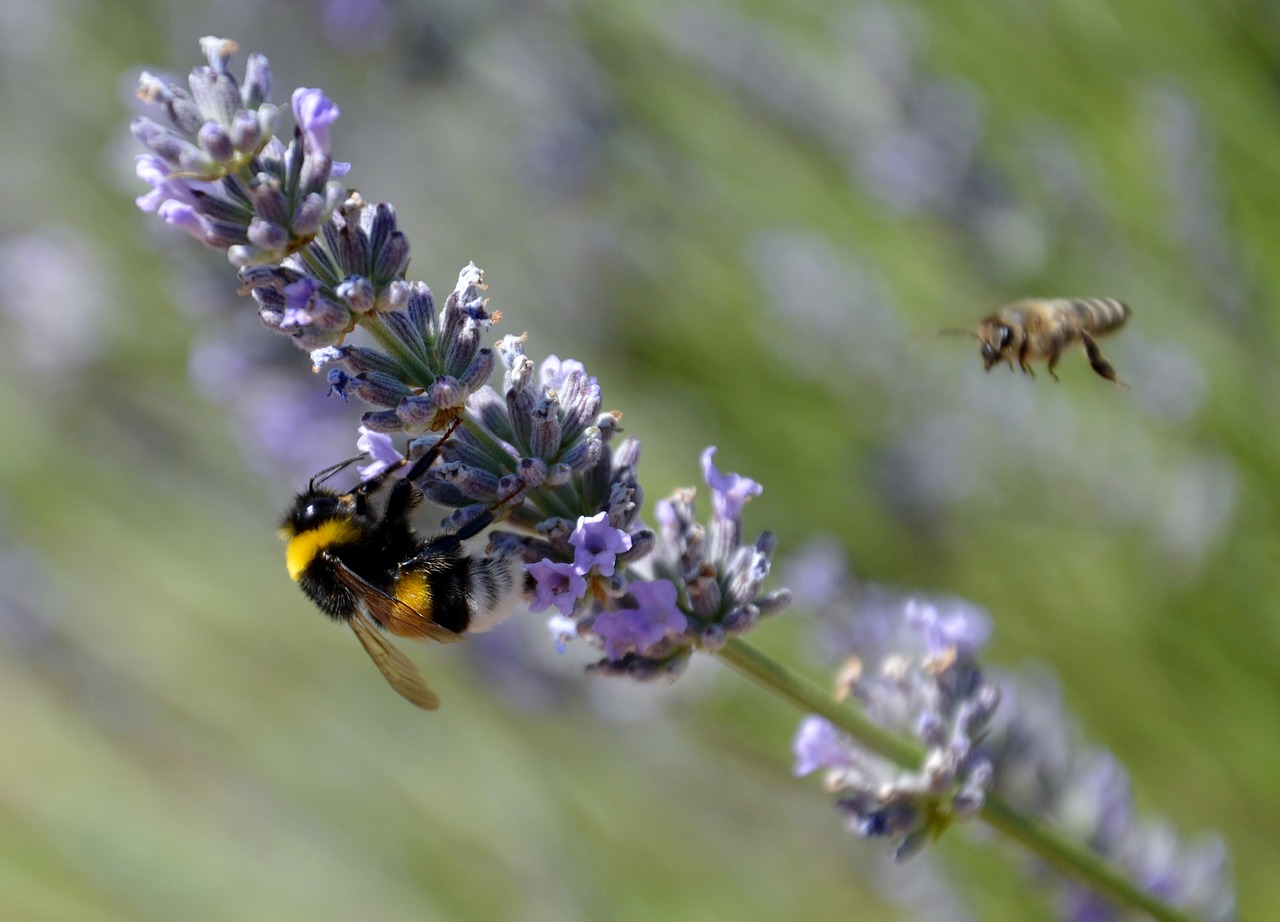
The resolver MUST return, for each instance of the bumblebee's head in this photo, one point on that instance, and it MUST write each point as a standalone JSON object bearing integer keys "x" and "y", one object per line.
{"x": 312, "y": 509}
{"x": 317, "y": 520}
{"x": 995, "y": 340}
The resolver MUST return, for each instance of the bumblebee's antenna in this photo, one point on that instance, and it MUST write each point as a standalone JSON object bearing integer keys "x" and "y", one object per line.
{"x": 330, "y": 471}
{"x": 956, "y": 331}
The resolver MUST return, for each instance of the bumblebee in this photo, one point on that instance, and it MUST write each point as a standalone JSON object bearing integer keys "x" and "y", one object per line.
{"x": 368, "y": 568}
{"x": 1041, "y": 328}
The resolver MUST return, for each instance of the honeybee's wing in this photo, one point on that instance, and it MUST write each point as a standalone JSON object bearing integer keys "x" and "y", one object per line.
{"x": 390, "y": 612}
{"x": 396, "y": 668}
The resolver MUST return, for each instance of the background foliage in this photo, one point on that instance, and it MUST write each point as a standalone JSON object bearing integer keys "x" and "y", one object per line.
{"x": 747, "y": 219}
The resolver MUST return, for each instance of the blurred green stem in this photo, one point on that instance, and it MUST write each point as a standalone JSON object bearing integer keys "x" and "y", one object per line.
{"x": 1058, "y": 850}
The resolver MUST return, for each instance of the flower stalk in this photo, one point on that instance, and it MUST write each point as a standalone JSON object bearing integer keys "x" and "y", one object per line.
{"x": 1056, "y": 849}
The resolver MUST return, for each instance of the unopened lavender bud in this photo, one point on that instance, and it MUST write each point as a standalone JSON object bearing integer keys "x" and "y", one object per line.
{"x": 316, "y": 171}
{"x": 713, "y": 637}
{"x": 585, "y": 452}
{"x": 383, "y": 421}
{"x": 216, "y": 93}
{"x": 216, "y": 141}
{"x": 405, "y": 331}
{"x": 245, "y": 132}
{"x": 480, "y": 369}
{"x": 416, "y": 411}
{"x": 772, "y": 603}
{"x": 357, "y": 292}
{"x": 269, "y": 201}
{"x": 421, "y": 305}
{"x": 356, "y": 359}
{"x": 462, "y": 347}
{"x": 532, "y": 472}
{"x": 309, "y": 215}
{"x": 392, "y": 257}
{"x": 267, "y": 235}
{"x": 642, "y": 543}
{"x": 353, "y": 244}
{"x": 520, "y": 404}
{"x": 396, "y": 297}
{"x": 703, "y": 592}
{"x": 741, "y": 620}
{"x": 379, "y": 389}
{"x": 472, "y": 482}
{"x": 256, "y": 88}
{"x": 558, "y": 475}
{"x": 447, "y": 393}
{"x": 544, "y": 438}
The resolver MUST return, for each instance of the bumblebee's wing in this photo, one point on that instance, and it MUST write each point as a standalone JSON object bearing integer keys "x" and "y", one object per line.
{"x": 397, "y": 668}
{"x": 390, "y": 612}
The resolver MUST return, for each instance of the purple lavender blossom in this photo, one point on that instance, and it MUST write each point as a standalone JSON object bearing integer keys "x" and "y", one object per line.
{"x": 314, "y": 113}
{"x": 597, "y": 544}
{"x": 381, "y": 450}
{"x": 557, "y": 584}
{"x": 818, "y": 744}
{"x": 729, "y": 492}
{"x": 640, "y": 629}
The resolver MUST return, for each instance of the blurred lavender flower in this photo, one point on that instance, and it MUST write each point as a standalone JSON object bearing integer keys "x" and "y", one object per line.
{"x": 932, "y": 689}
{"x": 50, "y": 320}
{"x": 915, "y": 671}
{"x": 1044, "y": 769}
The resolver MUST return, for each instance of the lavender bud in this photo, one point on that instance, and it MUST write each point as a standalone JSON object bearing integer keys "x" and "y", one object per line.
{"x": 387, "y": 421}
{"x": 357, "y": 292}
{"x": 256, "y": 88}
{"x": 217, "y": 141}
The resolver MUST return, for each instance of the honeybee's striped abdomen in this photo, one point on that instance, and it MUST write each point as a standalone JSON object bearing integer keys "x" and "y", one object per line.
{"x": 1098, "y": 315}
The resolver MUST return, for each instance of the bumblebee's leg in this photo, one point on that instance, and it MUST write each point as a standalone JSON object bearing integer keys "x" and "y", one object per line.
{"x": 485, "y": 517}
{"x": 402, "y": 498}
{"x": 1098, "y": 363}
{"x": 420, "y": 466}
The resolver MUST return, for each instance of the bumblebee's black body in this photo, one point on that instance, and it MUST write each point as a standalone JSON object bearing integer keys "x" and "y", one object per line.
{"x": 381, "y": 550}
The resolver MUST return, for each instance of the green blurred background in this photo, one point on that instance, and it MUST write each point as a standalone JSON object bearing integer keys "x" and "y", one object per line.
{"x": 747, "y": 219}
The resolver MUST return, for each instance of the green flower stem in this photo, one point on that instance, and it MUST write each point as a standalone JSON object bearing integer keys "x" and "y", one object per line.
{"x": 377, "y": 328}
{"x": 1057, "y": 849}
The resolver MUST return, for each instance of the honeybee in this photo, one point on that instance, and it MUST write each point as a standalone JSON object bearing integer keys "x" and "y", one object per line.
{"x": 1041, "y": 328}
{"x": 368, "y": 568}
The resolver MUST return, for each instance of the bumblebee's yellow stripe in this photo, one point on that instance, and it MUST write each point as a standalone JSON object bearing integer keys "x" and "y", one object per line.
{"x": 301, "y": 549}
{"x": 413, "y": 589}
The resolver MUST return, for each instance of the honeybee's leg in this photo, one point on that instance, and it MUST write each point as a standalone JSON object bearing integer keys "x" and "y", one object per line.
{"x": 1023, "y": 352}
{"x": 1098, "y": 363}
{"x": 1053, "y": 361}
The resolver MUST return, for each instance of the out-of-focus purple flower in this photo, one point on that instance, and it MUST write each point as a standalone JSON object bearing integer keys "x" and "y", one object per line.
{"x": 557, "y": 584}
{"x": 597, "y": 544}
{"x": 380, "y": 449}
{"x": 957, "y": 624}
{"x": 642, "y": 628}
{"x": 729, "y": 492}
{"x": 816, "y": 745}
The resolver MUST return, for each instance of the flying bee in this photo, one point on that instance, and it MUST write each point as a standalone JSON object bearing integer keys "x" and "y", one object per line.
{"x": 368, "y": 568}
{"x": 1041, "y": 328}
